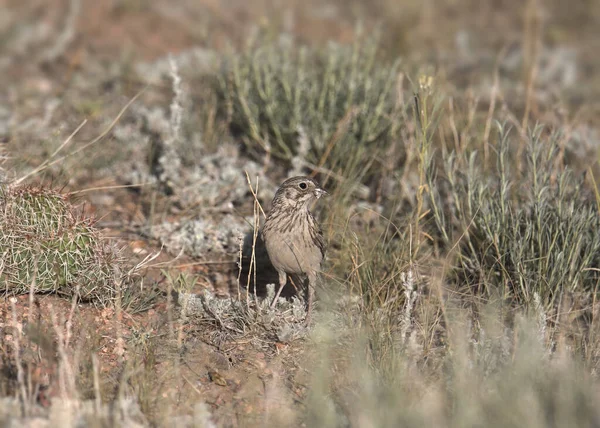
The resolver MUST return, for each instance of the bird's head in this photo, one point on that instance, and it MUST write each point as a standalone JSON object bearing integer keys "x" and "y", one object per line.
{"x": 299, "y": 192}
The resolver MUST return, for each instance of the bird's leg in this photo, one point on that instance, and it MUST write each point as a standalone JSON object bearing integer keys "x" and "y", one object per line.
{"x": 310, "y": 293}
{"x": 282, "y": 281}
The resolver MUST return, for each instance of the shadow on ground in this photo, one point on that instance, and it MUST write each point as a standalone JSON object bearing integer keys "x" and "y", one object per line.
{"x": 265, "y": 272}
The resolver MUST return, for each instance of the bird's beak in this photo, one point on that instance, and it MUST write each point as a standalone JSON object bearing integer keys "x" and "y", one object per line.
{"x": 320, "y": 192}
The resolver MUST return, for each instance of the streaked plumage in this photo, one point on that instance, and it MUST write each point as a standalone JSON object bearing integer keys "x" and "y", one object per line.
{"x": 292, "y": 236}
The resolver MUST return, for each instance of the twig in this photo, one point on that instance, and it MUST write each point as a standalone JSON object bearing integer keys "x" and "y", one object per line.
{"x": 46, "y": 164}
{"x": 124, "y": 186}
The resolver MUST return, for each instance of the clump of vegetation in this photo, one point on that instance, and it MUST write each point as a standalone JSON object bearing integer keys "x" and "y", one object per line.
{"x": 534, "y": 230}
{"x": 334, "y": 108}
{"x": 47, "y": 245}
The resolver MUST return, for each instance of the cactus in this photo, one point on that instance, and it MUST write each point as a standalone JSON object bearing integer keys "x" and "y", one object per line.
{"x": 44, "y": 243}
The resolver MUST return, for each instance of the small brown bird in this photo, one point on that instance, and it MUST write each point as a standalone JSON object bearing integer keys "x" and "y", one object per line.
{"x": 292, "y": 236}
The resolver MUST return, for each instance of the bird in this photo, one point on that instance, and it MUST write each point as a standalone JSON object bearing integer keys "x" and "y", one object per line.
{"x": 293, "y": 238}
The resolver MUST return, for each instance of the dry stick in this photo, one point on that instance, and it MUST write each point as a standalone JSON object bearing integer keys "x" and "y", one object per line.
{"x": 241, "y": 258}
{"x": 328, "y": 172}
{"x": 254, "y": 193}
{"x": 47, "y": 164}
{"x": 144, "y": 264}
{"x": 422, "y": 155}
{"x": 254, "y": 239}
{"x": 151, "y": 257}
{"x": 124, "y": 186}
{"x": 2, "y": 262}
{"x": 181, "y": 332}
{"x": 193, "y": 386}
{"x": 257, "y": 206}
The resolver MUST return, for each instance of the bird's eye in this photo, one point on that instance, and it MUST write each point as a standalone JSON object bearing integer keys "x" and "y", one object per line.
{"x": 302, "y": 185}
